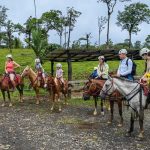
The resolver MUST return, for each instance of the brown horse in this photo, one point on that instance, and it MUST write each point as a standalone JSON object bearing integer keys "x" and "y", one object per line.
{"x": 93, "y": 88}
{"x": 56, "y": 89}
{"x": 6, "y": 86}
{"x": 36, "y": 83}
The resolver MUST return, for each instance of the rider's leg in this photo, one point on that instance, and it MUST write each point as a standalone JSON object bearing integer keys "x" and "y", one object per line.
{"x": 44, "y": 79}
{"x": 12, "y": 76}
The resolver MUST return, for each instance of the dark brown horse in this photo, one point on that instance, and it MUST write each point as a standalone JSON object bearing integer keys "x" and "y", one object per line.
{"x": 93, "y": 88}
{"x": 6, "y": 86}
{"x": 57, "y": 90}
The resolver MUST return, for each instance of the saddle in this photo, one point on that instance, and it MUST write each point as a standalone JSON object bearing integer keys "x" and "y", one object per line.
{"x": 145, "y": 87}
{"x": 17, "y": 78}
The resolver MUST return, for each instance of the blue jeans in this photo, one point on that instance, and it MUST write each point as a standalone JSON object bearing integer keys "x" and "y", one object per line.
{"x": 129, "y": 77}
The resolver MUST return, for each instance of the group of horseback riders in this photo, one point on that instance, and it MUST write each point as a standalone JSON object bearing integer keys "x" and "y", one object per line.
{"x": 126, "y": 69}
{"x": 11, "y": 65}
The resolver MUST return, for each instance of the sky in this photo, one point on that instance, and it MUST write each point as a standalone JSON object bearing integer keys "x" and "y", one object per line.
{"x": 20, "y": 10}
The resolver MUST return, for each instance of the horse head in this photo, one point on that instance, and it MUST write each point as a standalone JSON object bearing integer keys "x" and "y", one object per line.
{"x": 108, "y": 88}
{"x": 25, "y": 71}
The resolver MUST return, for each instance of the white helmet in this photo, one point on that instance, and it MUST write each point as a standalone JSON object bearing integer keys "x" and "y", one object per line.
{"x": 58, "y": 65}
{"x": 37, "y": 60}
{"x": 9, "y": 56}
{"x": 144, "y": 51}
{"x": 123, "y": 51}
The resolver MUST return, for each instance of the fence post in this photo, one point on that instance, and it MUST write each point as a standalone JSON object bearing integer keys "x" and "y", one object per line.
{"x": 52, "y": 68}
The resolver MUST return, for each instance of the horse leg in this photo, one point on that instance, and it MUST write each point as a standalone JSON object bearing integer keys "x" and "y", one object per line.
{"x": 20, "y": 93}
{"x": 37, "y": 96}
{"x": 131, "y": 124}
{"x": 102, "y": 109}
{"x": 95, "y": 111}
{"x": 112, "y": 111}
{"x": 120, "y": 112}
{"x": 53, "y": 101}
{"x": 59, "y": 103}
{"x": 4, "y": 98}
{"x": 10, "y": 104}
{"x": 141, "y": 118}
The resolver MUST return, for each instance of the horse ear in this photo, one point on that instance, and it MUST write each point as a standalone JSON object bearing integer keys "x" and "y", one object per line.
{"x": 90, "y": 80}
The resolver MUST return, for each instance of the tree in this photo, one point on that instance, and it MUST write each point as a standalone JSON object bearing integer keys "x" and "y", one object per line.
{"x": 101, "y": 26}
{"x": 9, "y": 26}
{"x": 39, "y": 44}
{"x": 147, "y": 41}
{"x": 132, "y": 17}
{"x": 51, "y": 20}
{"x": 137, "y": 45}
{"x": 3, "y": 17}
{"x": 110, "y": 8}
{"x": 72, "y": 16}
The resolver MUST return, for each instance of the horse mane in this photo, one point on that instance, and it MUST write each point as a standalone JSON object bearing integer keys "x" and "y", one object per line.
{"x": 32, "y": 71}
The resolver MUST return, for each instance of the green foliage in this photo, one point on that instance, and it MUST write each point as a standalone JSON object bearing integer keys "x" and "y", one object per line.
{"x": 39, "y": 44}
{"x": 132, "y": 17}
{"x": 3, "y": 15}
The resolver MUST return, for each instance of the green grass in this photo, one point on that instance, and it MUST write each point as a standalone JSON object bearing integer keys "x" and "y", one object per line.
{"x": 81, "y": 70}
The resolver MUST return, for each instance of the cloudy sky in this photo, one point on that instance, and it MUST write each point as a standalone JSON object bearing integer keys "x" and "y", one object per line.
{"x": 20, "y": 10}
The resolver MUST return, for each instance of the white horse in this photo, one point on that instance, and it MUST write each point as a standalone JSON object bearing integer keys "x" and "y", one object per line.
{"x": 133, "y": 93}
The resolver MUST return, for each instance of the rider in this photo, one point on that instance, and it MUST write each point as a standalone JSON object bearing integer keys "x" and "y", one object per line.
{"x": 59, "y": 73}
{"x": 40, "y": 70}
{"x": 102, "y": 69}
{"x": 145, "y": 54}
{"x": 10, "y": 67}
{"x": 125, "y": 70}
{"x": 94, "y": 73}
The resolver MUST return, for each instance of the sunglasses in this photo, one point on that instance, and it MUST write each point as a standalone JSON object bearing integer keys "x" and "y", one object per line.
{"x": 144, "y": 54}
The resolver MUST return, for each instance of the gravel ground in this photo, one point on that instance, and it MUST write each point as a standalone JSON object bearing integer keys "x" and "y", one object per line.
{"x": 29, "y": 127}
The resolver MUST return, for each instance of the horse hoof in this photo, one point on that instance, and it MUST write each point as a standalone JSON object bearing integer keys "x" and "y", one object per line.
{"x": 60, "y": 110}
{"x": 3, "y": 104}
{"x": 108, "y": 108}
{"x": 52, "y": 109}
{"x": 109, "y": 122}
{"x": 102, "y": 113}
{"x": 128, "y": 134}
{"x": 140, "y": 136}
{"x": 37, "y": 103}
{"x": 95, "y": 113}
{"x": 120, "y": 125}
{"x": 10, "y": 105}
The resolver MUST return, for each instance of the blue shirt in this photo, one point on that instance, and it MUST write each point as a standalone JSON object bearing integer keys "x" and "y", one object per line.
{"x": 125, "y": 69}
{"x": 94, "y": 74}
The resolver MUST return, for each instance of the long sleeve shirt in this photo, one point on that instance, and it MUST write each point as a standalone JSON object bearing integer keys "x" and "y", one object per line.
{"x": 59, "y": 73}
{"x": 102, "y": 71}
{"x": 125, "y": 69}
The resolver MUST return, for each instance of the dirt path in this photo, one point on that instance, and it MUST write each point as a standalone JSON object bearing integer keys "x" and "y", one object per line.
{"x": 30, "y": 127}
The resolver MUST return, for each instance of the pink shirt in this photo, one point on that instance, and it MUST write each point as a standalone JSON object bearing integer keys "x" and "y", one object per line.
{"x": 59, "y": 73}
{"x": 10, "y": 66}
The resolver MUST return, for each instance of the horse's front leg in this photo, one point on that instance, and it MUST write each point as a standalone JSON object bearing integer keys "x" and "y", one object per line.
{"x": 111, "y": 111}
{"x": 8, "y": 93}
{"x": 141, "y": 118}
{"x": 131, "y": 124}
{"x": 4, "y": 98}
{"x": 102, "y": 108}
{"x": 59, "y": 102}
{"x": 37, "y": 96}
{"x": 20, "y": 94}
{"x": 120, "y": 112}
{"x": 95, "y": 102}
{"x": 53, "y": 101}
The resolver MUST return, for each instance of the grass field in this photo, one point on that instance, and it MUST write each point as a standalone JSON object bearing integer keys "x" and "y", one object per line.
{"x": 81, "y": 70}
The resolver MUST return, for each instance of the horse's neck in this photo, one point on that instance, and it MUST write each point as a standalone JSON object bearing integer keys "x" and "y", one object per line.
{"x": 32, "y": 75}
{"x": 125, "y": 87}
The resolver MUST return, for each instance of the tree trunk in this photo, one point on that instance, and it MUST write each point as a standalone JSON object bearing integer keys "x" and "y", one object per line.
{"x": 69, "y": 72}
{"x": 129, "y": 39}
{"x": 99, "y": 38}
{"x": 108, "y": 25}
{"x": 29, "y": 39}
{"x": 69, "y": 31}
{"x": 60, "y": 39}
{"x": 65, "y": 38}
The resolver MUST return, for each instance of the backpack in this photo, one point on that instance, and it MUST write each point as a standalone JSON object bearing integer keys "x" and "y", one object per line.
{"x": 133, "y": 72}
